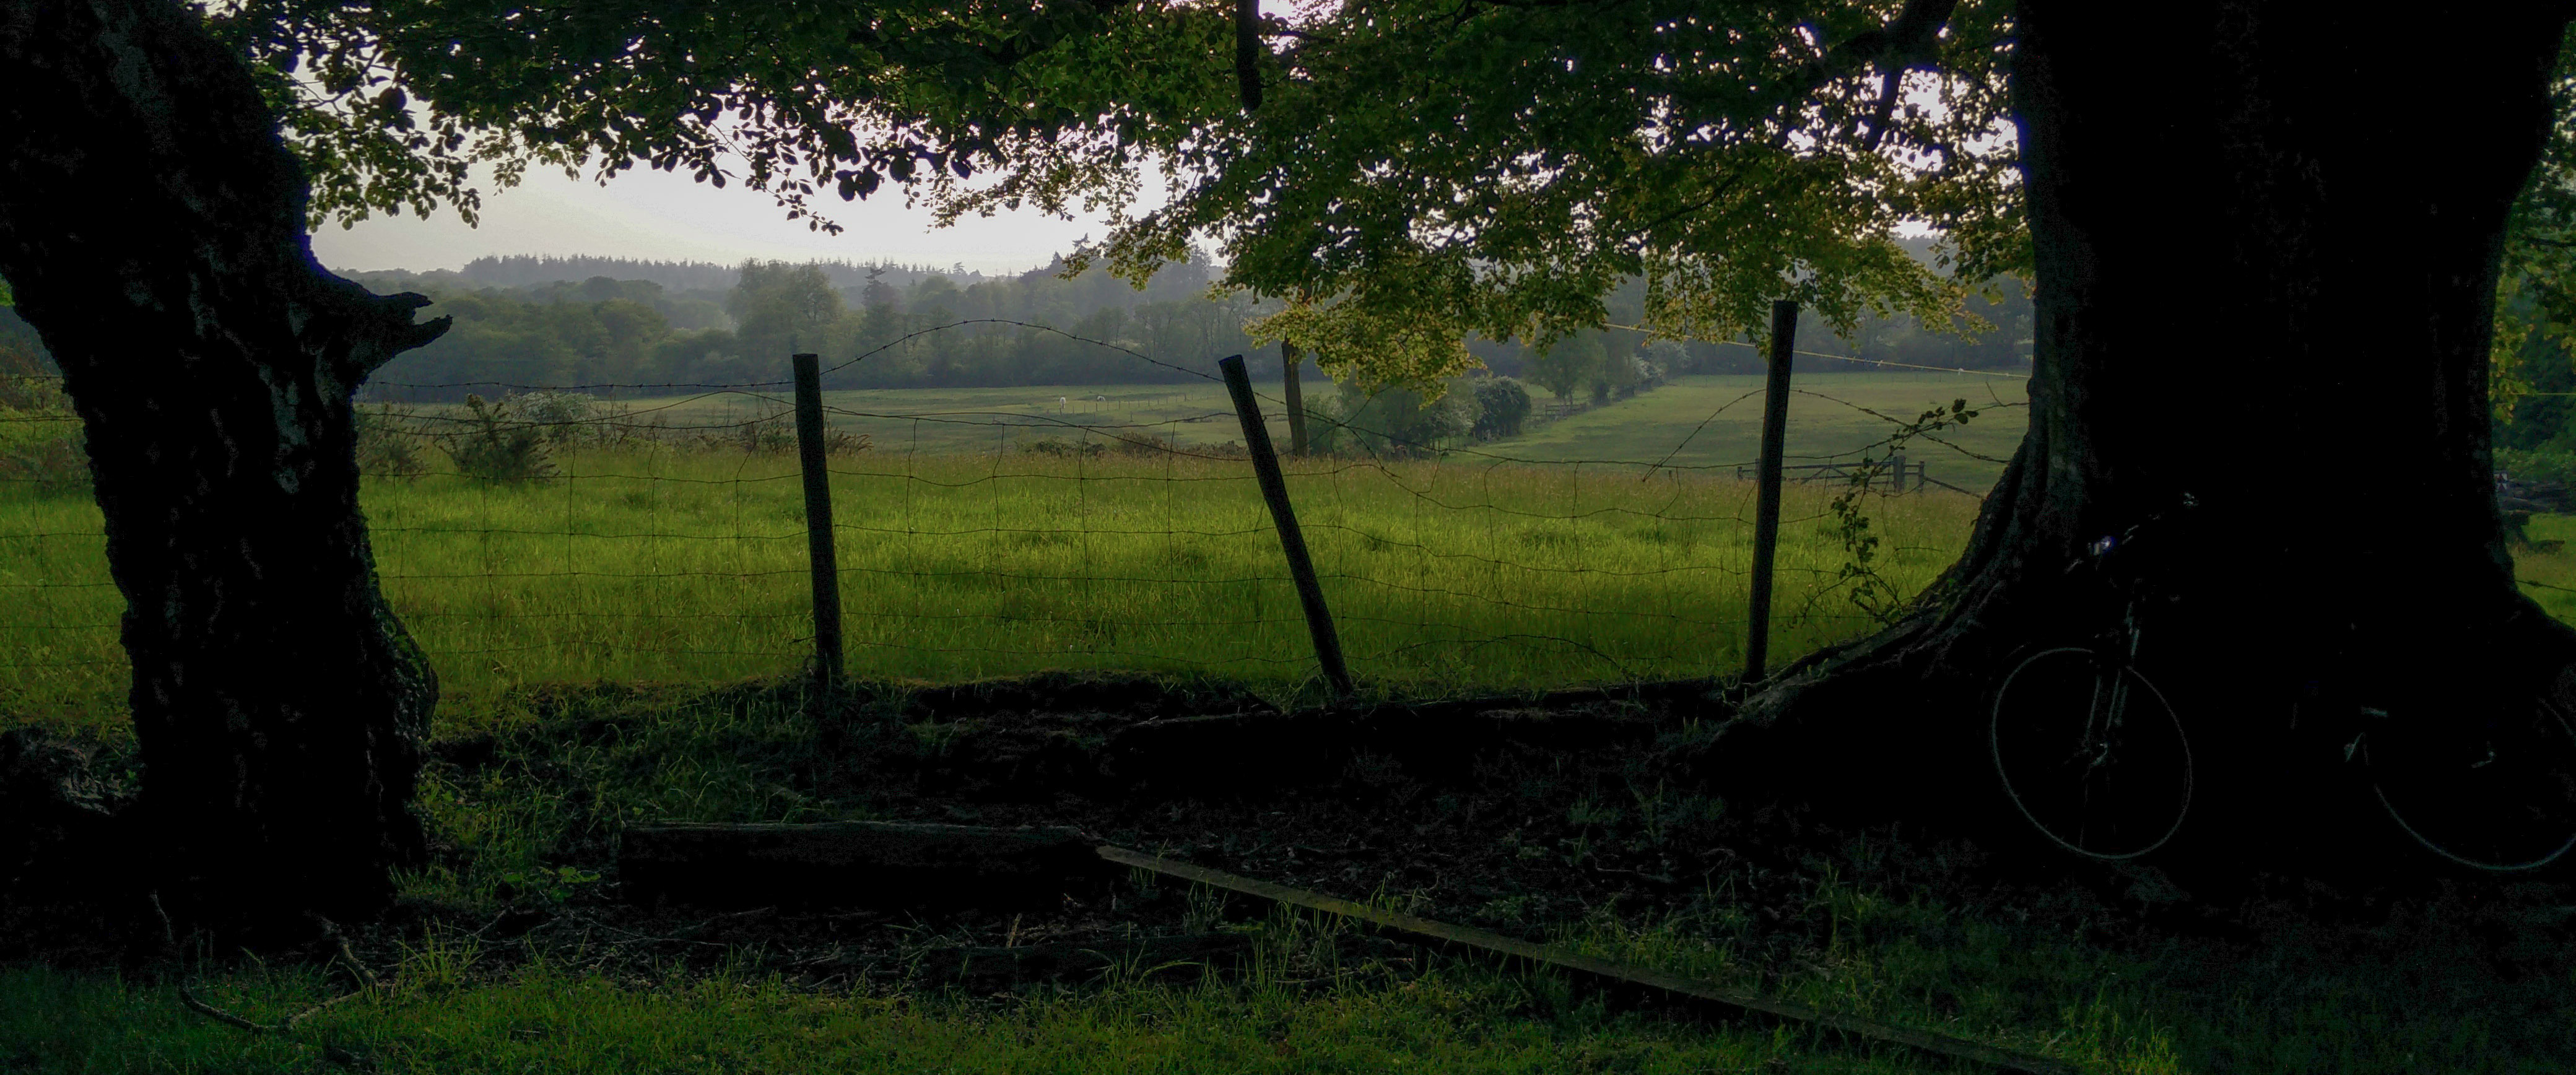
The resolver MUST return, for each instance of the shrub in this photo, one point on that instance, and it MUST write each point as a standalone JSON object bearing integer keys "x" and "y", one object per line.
{"x": 50, "y": 466}
{"x": 1502, "y": 406}
{"x": 28, "y": 382}
{"x": 1143, "y": 444}
{"x": 1393, "y": 422}
{"x": 767, "y": 435}
{"x": 838, "y": 442}
{"x": 387, "y": 448}
{"x": 563, "y": 418}
{"x": 1658, "y": 361}
{"x": 2537, "y": 465}
{"x": 1065, "y": 449}
{"x": 40, "y": 446}
{"x": 494, "y": 445}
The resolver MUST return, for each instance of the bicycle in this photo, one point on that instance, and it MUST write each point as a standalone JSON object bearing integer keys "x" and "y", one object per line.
{"x": 2481, "y": 774}
{"x": 2087, "y": 748}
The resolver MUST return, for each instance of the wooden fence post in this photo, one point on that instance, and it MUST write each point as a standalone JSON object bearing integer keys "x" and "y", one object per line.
{"x": 1899, "y": 468}
{"x": 1274, "y": 488}
{"x": 1289, "y": 358}
{"x": 1766, "y": 514}
{"x": 819, "y": 548}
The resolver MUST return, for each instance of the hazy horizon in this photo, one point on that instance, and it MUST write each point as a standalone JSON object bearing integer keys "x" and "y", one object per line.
{"x": 661, "y": 216}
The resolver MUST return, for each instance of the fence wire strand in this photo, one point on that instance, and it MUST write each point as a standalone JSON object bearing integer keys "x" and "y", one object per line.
{"x": 547, "y": 535}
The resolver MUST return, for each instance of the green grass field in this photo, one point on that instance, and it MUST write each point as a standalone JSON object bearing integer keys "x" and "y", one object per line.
{"x": 948, "y": 421}
{"x": 1564, "y": 556}
{"x": 1716, "y": 422}
{"x": 2547, "y": 566}
{"x": 1698, "y": 421}
{"x": 1455, "y": 1020}
{"x": 668, "y": 566}
{"x": 1557, "y": 558}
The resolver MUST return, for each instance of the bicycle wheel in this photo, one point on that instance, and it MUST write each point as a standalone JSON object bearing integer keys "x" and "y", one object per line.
{"x": 2494, "y": 792}
{"x": 2091, "y": 754}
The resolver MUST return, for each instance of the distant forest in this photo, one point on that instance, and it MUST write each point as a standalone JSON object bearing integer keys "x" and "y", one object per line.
{"x": 630, "y": 326}
{"x": 529, "y": 322}
{"x": 627, "y": 327}
{"x": 622, "y": 325}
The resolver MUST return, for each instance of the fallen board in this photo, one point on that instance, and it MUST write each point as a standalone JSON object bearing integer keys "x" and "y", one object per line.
{"x": 853, "y": 863}
{"x": 1443, "y": 934}
{"x": 1238, "y": 753}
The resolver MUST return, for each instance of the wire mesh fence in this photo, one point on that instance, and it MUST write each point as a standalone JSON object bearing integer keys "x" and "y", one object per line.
{"x": 537, "y": 533}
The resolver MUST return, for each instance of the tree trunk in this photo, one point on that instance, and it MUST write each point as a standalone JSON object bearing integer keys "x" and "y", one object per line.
{"x": 152, "y": 224}
{"x": 2326, "y": 192}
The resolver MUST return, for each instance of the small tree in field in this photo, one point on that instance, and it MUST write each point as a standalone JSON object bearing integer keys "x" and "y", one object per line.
{"x": 1393, "y": 422}
{"x": 1566, "y": 365}
{"x": 1502, "y": 406}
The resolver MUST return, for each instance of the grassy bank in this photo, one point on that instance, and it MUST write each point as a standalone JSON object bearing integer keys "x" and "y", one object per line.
{"x": 1460, "y": 1020}
{"x": 1549, "y": 845}
{"x": 555, "y": 1022}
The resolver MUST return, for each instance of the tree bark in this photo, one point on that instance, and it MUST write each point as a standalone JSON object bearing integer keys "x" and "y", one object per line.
{"x": 152, "y": 224}
{"x": 2326, "y": 190}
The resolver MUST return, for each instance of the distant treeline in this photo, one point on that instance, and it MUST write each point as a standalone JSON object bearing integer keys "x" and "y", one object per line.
{"x": 1601, "y": 361}
{"x": 623, "y": 325}
{"x": 875, "y": 326}
{"x": 531, "y": 270}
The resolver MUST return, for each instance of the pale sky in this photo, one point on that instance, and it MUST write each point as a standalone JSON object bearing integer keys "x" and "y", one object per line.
{"x": 669, "y": 217}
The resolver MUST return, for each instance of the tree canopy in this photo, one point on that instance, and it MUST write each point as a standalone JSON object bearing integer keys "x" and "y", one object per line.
{"x": 2536, "y": 310}
{"x": 1406, "y": 179}
{"x": 1405, "y": 174}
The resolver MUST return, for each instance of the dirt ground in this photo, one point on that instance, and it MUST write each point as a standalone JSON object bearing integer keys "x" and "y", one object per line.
{"x": 1516, "y": 815}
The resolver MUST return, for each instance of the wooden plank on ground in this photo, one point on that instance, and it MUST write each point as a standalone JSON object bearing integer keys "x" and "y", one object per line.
{"x": 1441, "y": 933}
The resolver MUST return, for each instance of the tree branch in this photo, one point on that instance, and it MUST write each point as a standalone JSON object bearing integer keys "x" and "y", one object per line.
{"x": 1247, "y": 52}
{"x": 1908, "y": 41}
{"x": 366, "y": 980}
{"x": 221, "y": 1016}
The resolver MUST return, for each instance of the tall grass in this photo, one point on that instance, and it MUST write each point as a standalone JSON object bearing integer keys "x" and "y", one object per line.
{"x": 1461, "y": 1020}
{"x": 659, "y": 565}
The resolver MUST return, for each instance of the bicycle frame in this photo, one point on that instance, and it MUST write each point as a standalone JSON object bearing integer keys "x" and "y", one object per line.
{"x": 2101, "y": 721}
{"x": 2133, "y": 778}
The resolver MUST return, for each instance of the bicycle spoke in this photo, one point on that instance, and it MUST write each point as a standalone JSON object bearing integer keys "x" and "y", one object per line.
{"x": 2102, "y": 785}
{"x": 2499, "y": 796}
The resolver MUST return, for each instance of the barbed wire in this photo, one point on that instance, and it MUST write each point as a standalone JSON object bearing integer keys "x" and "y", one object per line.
{"x": 1568, "y": 557}
{"x": 1878, "y": 362}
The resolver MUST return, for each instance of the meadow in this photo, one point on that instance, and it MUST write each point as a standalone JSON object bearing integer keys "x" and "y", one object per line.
{"x": 1715, "y": 422}
{"x": 658, "y": 589}
{"x": 1697, "y": 421}
{"x": 988, "y": 532}
{"x": 666, "y": 566}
